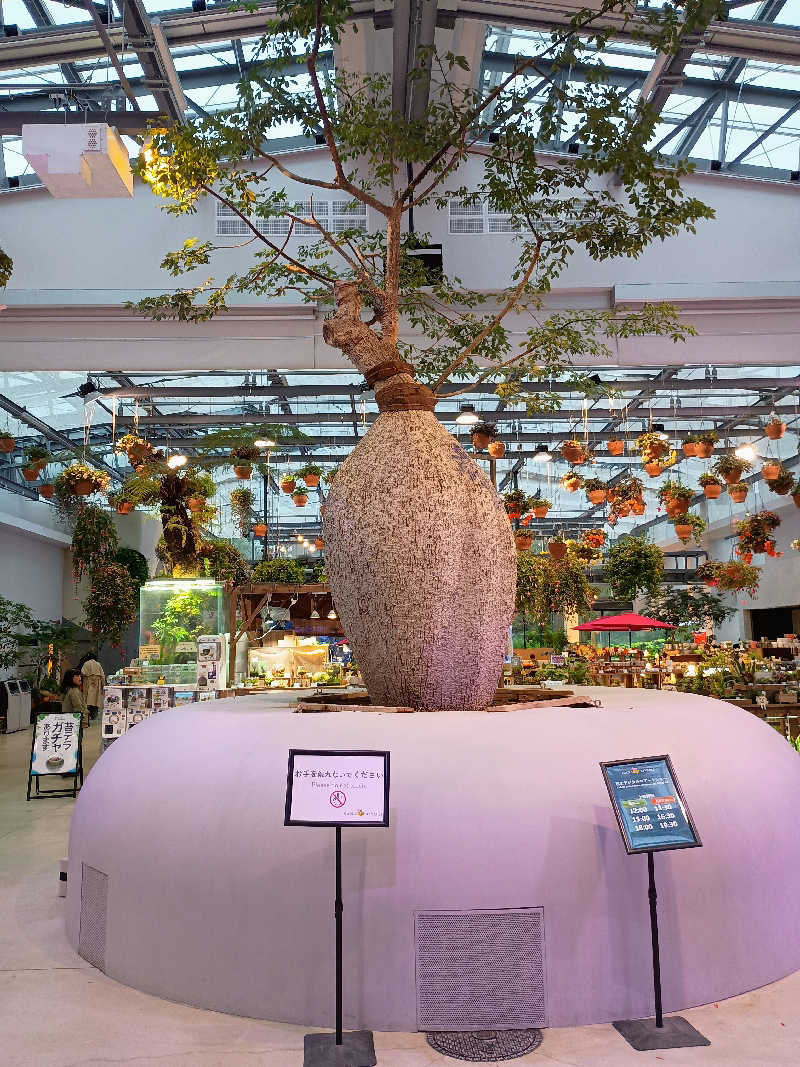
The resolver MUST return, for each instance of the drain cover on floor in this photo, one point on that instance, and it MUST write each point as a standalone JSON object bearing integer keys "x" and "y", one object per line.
{"x": 486, "y": 1046}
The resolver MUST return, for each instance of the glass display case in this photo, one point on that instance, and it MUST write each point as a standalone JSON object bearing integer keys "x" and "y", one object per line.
{"x": 173, "y": 613}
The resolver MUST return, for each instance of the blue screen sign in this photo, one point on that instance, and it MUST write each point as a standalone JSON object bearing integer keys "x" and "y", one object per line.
{"x": 650, "y": 808}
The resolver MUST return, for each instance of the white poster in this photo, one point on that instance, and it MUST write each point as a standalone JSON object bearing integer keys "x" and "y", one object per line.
{"x": 337, "y": 788}
{"x": 55, "y": 744}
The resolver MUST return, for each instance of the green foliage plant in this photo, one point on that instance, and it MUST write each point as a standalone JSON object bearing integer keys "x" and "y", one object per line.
{"x": 135, "y": 564}
{"x": 242, "y": 501}
{"x": 632, "y": 566}
{"x": 730, "y": 463}
{"x": 548, "y": 587}
{"x": 94, "y": 540}
{"x": 280, "y": 571}
{"x": 14, "y": 617}
{"x": 388, "y": 162}
{"x": 112, "y": 604}
{"x": 691, "y": 607}
{"x": 708, "y": 479}
{"x": 224, "y": 562}
{"x": 696, "y": 523}
{"x": 312, "y": 469}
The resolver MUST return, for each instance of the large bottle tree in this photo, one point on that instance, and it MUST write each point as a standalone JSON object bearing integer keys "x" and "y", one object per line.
{"x": 612, "y": 199}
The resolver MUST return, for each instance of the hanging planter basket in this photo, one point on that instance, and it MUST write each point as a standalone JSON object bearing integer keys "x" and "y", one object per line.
{"x": 540, "y": 510}
{"x": 497, "y": 449}
{"x": 705, "y": 449}
{"x": 319, "y": 544}
{"x": 300, "y": 499}
{"x": 731, "y": 477}
{"x": 30, "y": 474}
{"x": 689, "y": 448}
{"x": 639, "y": 507}
{"x": 653, "y": 468}
{"x": 738, "y": 494}
{"x": 596, "y": 496}
{"x": 712, "y": 490}
{"x": 83, "y": 487}
{"x": 47, "y": 492}
{"x": 7, "y": 443}
{"x": 572, "y": 453}
{"x": 571, "y": 482}
{"x": 195, "y": 503}
{"x": 287, "y": 485}
{"x": 260, "y": 529}
{"x": 683, "y": 531}
{"x": 775, "y": 429}
{"x": 125, "y": 507}
{"x": 795, "y": 498}
{"x": 523, "y": 541}
{"x": 616, "y": 448}
{"x": 311, "y": 480}
{"x": 770, "y": 471}
{"x": 480, "y": 440}
{"x": 243, "y": 472}
{"x": 557, "y": 549}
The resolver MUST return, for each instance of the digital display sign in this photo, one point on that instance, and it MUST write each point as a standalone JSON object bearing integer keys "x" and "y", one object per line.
{"x": 651, "y": 811}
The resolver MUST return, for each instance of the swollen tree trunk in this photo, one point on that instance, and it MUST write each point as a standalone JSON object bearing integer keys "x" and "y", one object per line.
{"x": 418, "y": 547}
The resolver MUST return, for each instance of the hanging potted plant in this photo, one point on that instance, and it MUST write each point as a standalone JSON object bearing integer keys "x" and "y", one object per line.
{"x": 731, "y": 467}
{"x": 735, "y": 577}
{"x": 632, "y": 566}
{"x": 523, "y": 540}
{"x": 7, "y": 442}
{"x": 300, "y": 496}
{"x": 138, "y": 450}
{"x": 199, "y": 487}
{"x": 652, "y": 446}
{"x": 782, "y": 483}
{"x": 616, "y": 446}
{"x": 638, "y": 507}
{"x": 675, "y": 497}
{"x": 260, "y": 529}
{"x": 36, "y": 459}
{"x": 653, "y": 468}
{"x": 311, "y": 475}
{"x": 242, "y": 501}
{"x": 770, "y": 469}
{"x": 706, "y": 440}
{"x": 482, "y": 434}
{"x": 689, "y": 445}
{"x": 571, "y": 481}
{"x": 79, "y": 479}
{"x": 595, "y": 489}
{"x": 557, "y": 547}
{"x": 711, "y": 486}
{"x": 540, "y": 506}
{"x": 287, "y": 484}
{"x": 120, "y": 502}
{"x": 775, "y": 428}
{"x": 738, "y": 492}
{"x": 689, "y": 526}
{"x": 319, "y": 544}
{"x": 708, "y": 572}
{"x": 574, "y": 452}
{"x": 47, "y": 491}
{"x": 594, "y": 538}
{"x": 754, "y": 531}
{"x": 497, "y": 449}
{"x": 515, "y": 503}
{"x": 243, "y": 457}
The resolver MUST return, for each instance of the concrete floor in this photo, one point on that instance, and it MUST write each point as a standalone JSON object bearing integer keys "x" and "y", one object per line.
{"x": 57, "y": 1011}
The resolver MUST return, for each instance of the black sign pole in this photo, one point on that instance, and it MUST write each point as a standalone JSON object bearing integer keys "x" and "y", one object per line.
{"x": 338, "y": 909}
{"x": 653, "y": 896}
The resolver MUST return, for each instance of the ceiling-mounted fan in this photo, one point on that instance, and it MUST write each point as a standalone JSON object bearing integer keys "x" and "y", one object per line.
{"x": 86, "y": 392}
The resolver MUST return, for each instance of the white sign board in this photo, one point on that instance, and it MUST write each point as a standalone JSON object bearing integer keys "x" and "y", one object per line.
{"x": 329, "y": 788}
{"x": 55, "y": 744}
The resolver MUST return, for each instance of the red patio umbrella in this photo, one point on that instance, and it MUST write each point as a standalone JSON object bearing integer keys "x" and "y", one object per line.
{"x": 628, "y": 621}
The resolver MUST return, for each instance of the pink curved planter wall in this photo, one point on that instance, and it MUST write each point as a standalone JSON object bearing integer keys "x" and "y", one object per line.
{"x": 212, "y": 901}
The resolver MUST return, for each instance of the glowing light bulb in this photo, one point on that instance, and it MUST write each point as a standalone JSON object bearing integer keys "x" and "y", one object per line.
{"x": 177, "y": 461}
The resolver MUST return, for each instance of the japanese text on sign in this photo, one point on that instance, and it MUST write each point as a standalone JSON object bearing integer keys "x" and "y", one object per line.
{"x": 649, "y": 806}
{"x": 55, "y": 744}
{"x": 338, "y": 788}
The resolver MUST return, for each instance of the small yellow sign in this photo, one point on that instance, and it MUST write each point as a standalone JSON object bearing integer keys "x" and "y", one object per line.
{"x": 148, "y": 651}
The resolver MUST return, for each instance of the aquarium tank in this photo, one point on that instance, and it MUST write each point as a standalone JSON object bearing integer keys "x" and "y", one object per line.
{"x": 173, "y": 613}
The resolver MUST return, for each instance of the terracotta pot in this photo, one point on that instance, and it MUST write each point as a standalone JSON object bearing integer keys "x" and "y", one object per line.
{"x": 480, "y": 440}
{"x": 639, "y": 507}
{"x": 780, "y": 492}
{"x": 413, "y": 528}
{"x": 712, "y": 491}
{"x": 557, "y": 549}
{"x": 47, "y": 492}
{"x": 738, "y": 496}
{"x": 704, "y": 449}
{"x": 541, "y": 511}
{"x": 624, "y": 509}
{"x": 570, "y": 484}
{"x": 195, "y": 503}
{"x": 523, "y": 541}
{"x": 525, "y": 520}
{"x": 596, "y": 496}
{"x": 300, "y": 499}
{"x": 612, "y": 495}
{"x": 260, "y": 529}
{"x": 287, "y": 486}
{"x": 689, "y": 448}
{"x": 775, "y": 430}
{"x": 733, "y": 476}
{"x": 683, "y": 531}
{"x": 83, "y": 487}
{"x": 796, "y": 499}
{"x": 770, "y": 471}
{"x": 7, "y": 444}
{"x": 681, "y": 506}
{"x": 497, "y": 449}
{"x": 243, "y": 472}
{"x": 138, "y": 454}
{"x": 125, "y": 508}
{"x": 30, "y": 474}
{"x": 311, "y": 480}
{"x": 616, "y": 448}
{"x": 571, "y": 453}
{"x": 319, "y": 543}
{"x": 653, "y": 468}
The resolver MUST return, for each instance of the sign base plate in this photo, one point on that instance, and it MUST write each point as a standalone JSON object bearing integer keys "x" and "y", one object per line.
{"x": 357, "y": 1050}
{"x": 644, "y": 1035}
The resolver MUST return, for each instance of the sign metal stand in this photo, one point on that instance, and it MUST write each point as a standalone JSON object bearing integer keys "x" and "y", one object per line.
{"x": 641, "y": 791}
{"x": 338, "y": 788}
{"x": 39, "y": 757}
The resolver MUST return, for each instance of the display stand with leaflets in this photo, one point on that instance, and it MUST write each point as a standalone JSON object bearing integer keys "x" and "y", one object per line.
{"x": 57, "y": 750}
{"x": 652, "y": 816}
{"x": 333, "y": 788}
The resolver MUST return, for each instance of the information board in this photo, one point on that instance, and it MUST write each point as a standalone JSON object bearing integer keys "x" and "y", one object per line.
{"x": 55, "y": 744}
{"x": 331, "y": 788}
{"x": 650, "y": 808}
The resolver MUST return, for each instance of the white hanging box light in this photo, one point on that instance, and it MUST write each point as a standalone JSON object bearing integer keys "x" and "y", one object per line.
{"x": 81, "y": 160}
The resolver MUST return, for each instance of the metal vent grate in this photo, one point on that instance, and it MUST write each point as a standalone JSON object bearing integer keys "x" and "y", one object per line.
{"x": 94, "y": 902}
{"x": 480, "y": 970}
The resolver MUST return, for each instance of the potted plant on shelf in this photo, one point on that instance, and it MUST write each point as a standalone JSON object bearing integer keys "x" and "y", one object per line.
{"x": 523, "y": 539}
{"x": 706, "y": 440}
{"x": 311, "y": 475}
{"x": 287, "y": 484}
{"x": 571, "y": 481}
{"x": 482, "y": 434}
{"x": 557, "y": 547}
{"x": 711, "y": 485}
{"x": 595, "y": 489}
{"x": 300, "y": 495}
{"x": 540, "y": 506}
{"x": 242, "y": 501}
{"x": 689, "y": 526}
{"x": 731, "y": 467}
{"x": 689, "y": 445}
{"x": 7, "y": 442}
{"x": 738, "y": 491}
{"x": 775, "y": 428}
{"x": 36, "y": 459}
{"x": 616, "y": 445}
{"x": 652, "y": 447}
{"x": 574, "y": 452}
{"x": 79, "y": 479}
{"x": 243, "y": 456}
{"x": 675, "y": 497}
{"x": 515, "y": 503}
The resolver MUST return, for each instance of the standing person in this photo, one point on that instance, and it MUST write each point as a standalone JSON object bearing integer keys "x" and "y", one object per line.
{"x": 72, "y": 699}
{"x": 93, "y": 681}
